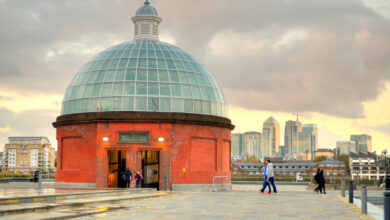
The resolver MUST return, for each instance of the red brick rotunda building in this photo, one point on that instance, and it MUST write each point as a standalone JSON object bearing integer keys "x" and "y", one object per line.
{"x": 148, "y": 106}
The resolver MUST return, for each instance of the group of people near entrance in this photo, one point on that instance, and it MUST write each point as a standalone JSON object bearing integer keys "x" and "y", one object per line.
{"x": 268, "y": 177}
{"x": 127, "y": 177}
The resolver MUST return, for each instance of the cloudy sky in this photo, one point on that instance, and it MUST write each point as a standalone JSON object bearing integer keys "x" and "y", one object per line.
{"x": 327, "y": 60}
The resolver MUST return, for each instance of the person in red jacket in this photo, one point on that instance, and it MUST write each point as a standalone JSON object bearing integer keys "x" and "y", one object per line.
{"x": 138, "y": 179}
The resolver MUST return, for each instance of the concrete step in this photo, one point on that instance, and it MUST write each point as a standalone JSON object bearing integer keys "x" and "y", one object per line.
{"x": 66, "y": 213}
{"x": 64, "y": 196}
{"x": 74, "y": 203}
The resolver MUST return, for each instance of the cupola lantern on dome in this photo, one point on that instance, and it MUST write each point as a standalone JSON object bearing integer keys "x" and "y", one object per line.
{"x": 146, "y": 22}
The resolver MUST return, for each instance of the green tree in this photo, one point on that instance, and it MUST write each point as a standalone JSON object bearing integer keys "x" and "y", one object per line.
{"x": 319, "y": 159}
{"x": 252, "y": 159}
{"x": 344, "y": 159}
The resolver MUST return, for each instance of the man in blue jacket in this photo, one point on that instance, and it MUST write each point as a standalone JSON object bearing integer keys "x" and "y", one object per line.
{"x": 265, "y": 183}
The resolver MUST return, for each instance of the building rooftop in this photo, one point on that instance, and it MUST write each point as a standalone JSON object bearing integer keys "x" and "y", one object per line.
{"x": 271, "y": 120}
{"x": 331, "y": 162}
{"x": 362, "y": 155}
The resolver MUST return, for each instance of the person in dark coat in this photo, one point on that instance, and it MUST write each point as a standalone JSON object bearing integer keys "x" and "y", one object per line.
{"x": 317, "y": 179}
{"x": 128, "y": 177}
{"x": 322, "y": 181}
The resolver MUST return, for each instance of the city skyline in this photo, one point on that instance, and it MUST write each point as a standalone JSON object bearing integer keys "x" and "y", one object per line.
{"x": 41, "y": 53}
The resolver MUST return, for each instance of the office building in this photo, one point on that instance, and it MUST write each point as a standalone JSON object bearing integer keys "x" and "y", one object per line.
{"x": 308, "y": 141}
{"x": 291, "y": 137}
{"x": 252, "y": 144}
{"x": 236, "y": 144}
{"x": 271, "y": 137}
{"x": 283, "y": 151}
{"x": 363, "y": 143}
{"x": 345, "y": 147}
{"x": 301, "y": 140}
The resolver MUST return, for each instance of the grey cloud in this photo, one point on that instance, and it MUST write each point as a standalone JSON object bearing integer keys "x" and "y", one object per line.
{"x": 28, "y": 123}
{"x": 385, "y": 128}
{"x": 341, "y": 62}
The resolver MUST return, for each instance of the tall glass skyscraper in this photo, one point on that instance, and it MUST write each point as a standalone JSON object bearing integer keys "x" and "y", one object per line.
{"x": 308, "y": 140}
{"x": 291, "y": 137}
{"x": 346, "y": 147}
{"x": 300, "y": 139}
{"x": 271, "y": 136}
{"x": 363, "y": 142}
{"x": 236, "y": 144}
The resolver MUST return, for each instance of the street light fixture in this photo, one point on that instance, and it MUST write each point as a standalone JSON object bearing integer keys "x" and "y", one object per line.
{"x": 105, "y": 138}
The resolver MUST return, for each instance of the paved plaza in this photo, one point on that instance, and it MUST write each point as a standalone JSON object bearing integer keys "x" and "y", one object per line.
{"x": 242, "y": 203}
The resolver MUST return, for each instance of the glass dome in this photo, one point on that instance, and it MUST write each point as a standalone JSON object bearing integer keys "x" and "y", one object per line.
{"x": 144, "y": 75}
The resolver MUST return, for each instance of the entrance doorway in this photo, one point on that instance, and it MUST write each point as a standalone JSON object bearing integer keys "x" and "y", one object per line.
{"x": 150, "y": 169}
{"x": 116, "y": 167}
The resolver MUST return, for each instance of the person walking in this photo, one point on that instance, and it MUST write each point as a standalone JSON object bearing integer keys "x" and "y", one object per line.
{"x": 317, "y": 179}
{"x": 265, "y": 182}
{"x": 128, "y": 177}
{"x": 270, "y": 176}
{"x": 138, "y": 179}
{"x": 322, "y": 181}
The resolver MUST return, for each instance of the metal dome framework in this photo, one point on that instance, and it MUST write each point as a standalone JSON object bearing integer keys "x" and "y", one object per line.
{"x": 144, "y": 75}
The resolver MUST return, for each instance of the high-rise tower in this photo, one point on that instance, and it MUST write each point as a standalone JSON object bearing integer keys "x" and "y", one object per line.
{"x": 271, "y": 136}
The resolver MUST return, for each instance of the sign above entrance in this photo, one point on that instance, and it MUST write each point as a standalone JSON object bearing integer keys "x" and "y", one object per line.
{"x": 138, "y": 138}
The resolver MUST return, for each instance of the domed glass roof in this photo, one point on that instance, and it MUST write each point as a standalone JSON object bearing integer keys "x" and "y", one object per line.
{"x": 144, "y": 75}
{"x": 147, "y": 10}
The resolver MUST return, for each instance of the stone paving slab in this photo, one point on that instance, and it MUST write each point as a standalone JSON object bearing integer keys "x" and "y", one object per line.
{"x": 238, "y": 205}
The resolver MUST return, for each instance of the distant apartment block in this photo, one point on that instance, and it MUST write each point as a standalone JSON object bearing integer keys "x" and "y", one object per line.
{"x": 366, "y": 166}
{"x": 291, "y": 168}
{"x": 363, "y": 143}
{"x": 25, "y": 154}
